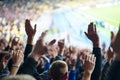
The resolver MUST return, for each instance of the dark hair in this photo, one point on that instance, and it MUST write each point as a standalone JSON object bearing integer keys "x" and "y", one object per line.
{"x": 3, "y": 53}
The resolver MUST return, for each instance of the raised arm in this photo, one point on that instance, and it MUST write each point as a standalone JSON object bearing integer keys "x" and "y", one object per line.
{"x": 114, "y": 70}
{"x": 17, "y": 59}
{"x": 93, "y": 36}
{"x": 30, "y": 36}
{"x": 88, "y": 66}
{"x": 29, "y": 66}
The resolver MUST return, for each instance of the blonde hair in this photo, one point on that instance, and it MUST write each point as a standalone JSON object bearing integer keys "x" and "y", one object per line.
{"x": 19, "y": 77}
{"x": 58, "y": 69}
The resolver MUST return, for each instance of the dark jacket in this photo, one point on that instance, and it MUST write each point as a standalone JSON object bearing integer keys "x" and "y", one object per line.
{"x": 4, "y": 73}
{"x": 29, "y": 67}
{"x": 114, "y": 71}
{"x": 97, "y": 71}
{"x": 28, "y": 50}
{"x": 105, "y": 70}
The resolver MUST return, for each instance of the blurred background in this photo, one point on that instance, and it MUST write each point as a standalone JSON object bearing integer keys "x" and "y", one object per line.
{"x": 65, "y": 19}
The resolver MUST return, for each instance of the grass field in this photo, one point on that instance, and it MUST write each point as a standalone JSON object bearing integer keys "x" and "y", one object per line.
{"x": 109, "y": 14}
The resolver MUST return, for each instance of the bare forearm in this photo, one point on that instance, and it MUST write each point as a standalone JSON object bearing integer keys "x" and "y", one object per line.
{"x": 86, "y": 76}
{"x": 96, "y": 44}
{"x": 30, "y": 40}
{"x": 35, "y": 57}
{"x": 14, "y": 70}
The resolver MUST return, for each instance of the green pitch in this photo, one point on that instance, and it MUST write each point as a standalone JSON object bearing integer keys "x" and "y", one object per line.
{"x": 109, "y": 14}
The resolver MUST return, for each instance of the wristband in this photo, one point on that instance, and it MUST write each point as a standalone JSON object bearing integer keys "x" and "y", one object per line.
{"x": 15, "y": 66}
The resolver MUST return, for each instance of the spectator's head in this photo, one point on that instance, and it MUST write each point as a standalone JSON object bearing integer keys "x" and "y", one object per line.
{"x": 3, "y": 44}
{"x": 59, "y": 70}
{"x": 4, "y": 58}
{"x": 19, "y": 77}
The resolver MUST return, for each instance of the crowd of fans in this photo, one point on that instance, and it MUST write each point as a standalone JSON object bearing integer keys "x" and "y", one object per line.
{"x": 50, "y": 61}
{"x": 21, "y": 60}
{"x": 13, "y": 14}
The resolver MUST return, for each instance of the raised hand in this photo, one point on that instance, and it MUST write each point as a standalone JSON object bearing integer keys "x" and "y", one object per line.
{"x": 92, "y": 34}
{"x": 88, "y": 66}
{"x": 116, "y": 43}
{"x": 40, "y": 47}
{"x": 51, "y": 43}
{"x": 52, "y": 51}
{"x": 112, "y": 36}
{"x": 28, "y": 28}
{"x": 17, "y": 59}
{"x": 61, "y": 45}
{"x": 30, "y": 31}
{"x": 15, "y": 42}
{"x": 110, "y": 54}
